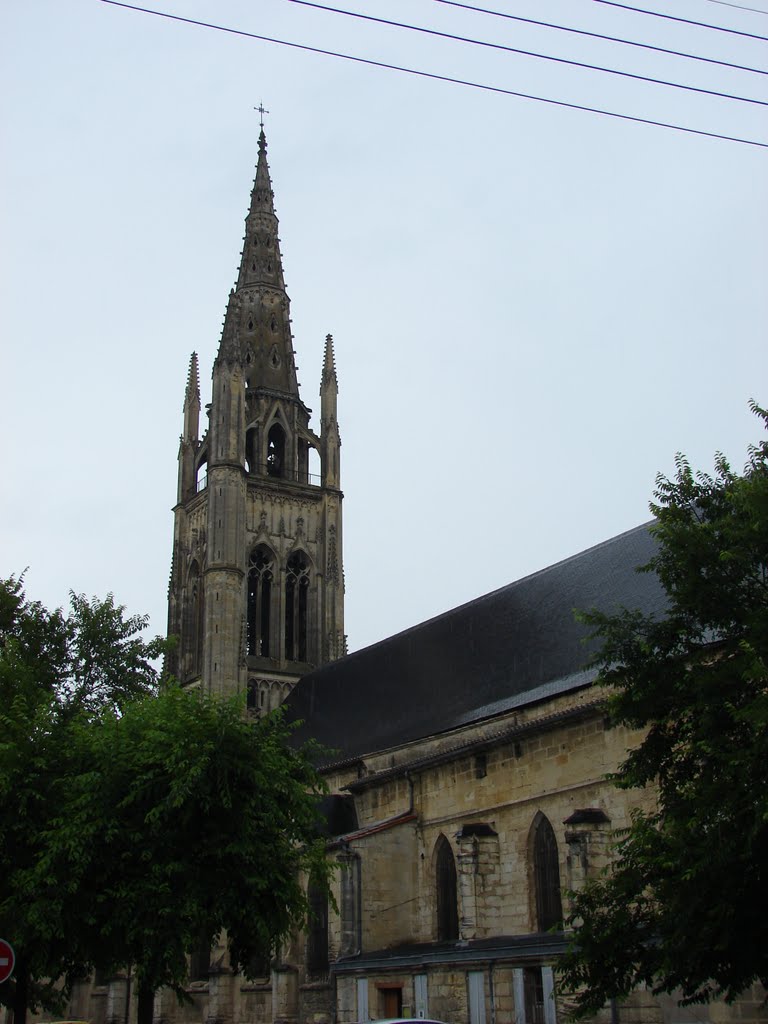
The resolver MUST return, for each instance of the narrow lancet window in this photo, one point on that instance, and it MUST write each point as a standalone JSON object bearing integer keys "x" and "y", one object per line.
{"x": 252, "y": 695}
{"x": 447, "y": 896}
{"x": 251, "y": 450}
{"x": 296, "y": 607}
{"x": 546, "y": 875}
{"x": 194, "y": 622}
{"x": 317, "y": 935}
{"x": 260, "y": 573}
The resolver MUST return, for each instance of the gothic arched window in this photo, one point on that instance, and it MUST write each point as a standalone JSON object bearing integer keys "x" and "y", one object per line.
{"x": 194, "y": 621}
{"x": 546, "y": 875}
{"x": 252, "y": 696}
{"x": 296, "y": 594}
{"x": 276, "y": 451}
{"x": 317, "y": 933}
{"x": 260, "y": 571}
{"x": 447, "y": 896}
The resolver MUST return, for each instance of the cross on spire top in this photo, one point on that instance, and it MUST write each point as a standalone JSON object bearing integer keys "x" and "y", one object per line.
{"x": 262, "y": 111}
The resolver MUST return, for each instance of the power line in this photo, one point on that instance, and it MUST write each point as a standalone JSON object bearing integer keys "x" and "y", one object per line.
{"x": 528, "y": 53}
{"x": 684, "y": 21}
{"x": 739, "y": 7}
{"x": 439, "y": 78}
{"x": 598, "y": 35}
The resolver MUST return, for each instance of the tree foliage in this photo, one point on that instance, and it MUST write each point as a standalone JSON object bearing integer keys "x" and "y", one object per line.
{"x": 136, "y": 825}
{"x": 194, "y": 820}
{"x": 683, "y": 906}
{"x": 56, "y": 670}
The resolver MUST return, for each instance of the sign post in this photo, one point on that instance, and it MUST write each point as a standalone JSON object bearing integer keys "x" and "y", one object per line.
{"x": 7, "y": 960}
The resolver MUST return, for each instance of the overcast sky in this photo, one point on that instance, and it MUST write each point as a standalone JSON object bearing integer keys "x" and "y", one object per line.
{"x": 533, "y": 307}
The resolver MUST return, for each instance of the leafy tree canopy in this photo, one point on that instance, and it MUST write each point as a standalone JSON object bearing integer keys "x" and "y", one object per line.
{"x": 136, "y": 826}
{"x": 91, "y": 658}
{"x": 56, "y": 670}
{"x": 682, "y": 908}
{"x": 193, "y": 819}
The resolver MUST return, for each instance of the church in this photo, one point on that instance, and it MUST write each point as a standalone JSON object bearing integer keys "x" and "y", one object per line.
{"x": 467, "y": 755}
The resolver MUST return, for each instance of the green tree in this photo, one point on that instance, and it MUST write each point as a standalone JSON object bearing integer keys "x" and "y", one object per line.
{"x": 682, "y": 908}
{"x": 56, "y": 671}
{"x": 135, "y": 825}
{"x": 197, "y": 821}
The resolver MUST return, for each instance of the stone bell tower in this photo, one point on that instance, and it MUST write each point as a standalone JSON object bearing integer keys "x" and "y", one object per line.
{"x": 256, "y": 595}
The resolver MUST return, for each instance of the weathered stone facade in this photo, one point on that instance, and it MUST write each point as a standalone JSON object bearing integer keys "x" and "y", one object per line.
{"x": 482, "y": 791}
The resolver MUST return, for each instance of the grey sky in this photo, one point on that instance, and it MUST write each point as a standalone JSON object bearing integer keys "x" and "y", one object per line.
{"x": 534, "y": 308}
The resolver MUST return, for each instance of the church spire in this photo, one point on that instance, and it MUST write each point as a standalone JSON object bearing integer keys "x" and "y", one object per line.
{"x": 188, "y": 443}
{"x": 261, "y": 263}
{"x": 329, "y": 365}
{"x": 257, "y": 326}
{"x": 192, "y": 400}
{"x": 330, "y": 440}
{"x": 193, "y": 377}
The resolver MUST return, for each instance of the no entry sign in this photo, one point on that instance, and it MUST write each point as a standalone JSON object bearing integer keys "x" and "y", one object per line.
{"x": 7, "y": 960}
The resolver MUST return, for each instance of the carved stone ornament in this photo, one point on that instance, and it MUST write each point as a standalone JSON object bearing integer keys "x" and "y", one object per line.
{"x": 332, "y": 574}
{"x": 270, "y": 498}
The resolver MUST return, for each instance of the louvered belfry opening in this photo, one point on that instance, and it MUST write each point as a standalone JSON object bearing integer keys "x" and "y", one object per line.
{"x": 276, "y": 451}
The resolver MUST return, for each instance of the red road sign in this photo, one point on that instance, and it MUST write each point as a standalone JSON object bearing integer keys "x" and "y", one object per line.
{"x": 7, "y": 960}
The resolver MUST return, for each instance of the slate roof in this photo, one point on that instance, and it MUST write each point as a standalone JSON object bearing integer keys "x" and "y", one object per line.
{"x": 511, "y": 647}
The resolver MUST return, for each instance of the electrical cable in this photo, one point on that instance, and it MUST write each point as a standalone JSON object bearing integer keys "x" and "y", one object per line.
{"x": 683, "y": 21}
{"x": 739, "y": 7}
{"x": 435, "y": 77}
{"x": 528, "y": 53}
{"x": 598, "y": 35}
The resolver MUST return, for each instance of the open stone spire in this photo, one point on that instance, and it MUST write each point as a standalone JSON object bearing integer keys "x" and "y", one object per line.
{"x": 257, "y": 325}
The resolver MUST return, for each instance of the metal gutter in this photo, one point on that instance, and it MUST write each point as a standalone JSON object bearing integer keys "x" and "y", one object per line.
{"x": 531, "y": 948}
{"x": 379, "y": 826}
